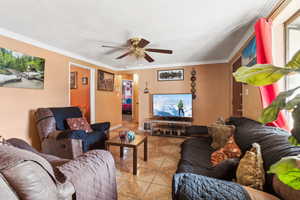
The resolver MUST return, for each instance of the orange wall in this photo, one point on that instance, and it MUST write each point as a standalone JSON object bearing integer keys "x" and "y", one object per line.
{"x": 80, "y": 96}
{"x": 213, "y": 91}
{"x": 17, "y": 105}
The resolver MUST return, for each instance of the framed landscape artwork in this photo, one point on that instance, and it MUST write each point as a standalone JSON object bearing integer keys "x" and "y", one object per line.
{"x": 249, "y": 54}
{"x": 105, "y": 81}
{"x": 18, "y": 70}
{"x": 170, "y": 75}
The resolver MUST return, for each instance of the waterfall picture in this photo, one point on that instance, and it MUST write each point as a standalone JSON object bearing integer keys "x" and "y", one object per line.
{"x": 18, "y": 70}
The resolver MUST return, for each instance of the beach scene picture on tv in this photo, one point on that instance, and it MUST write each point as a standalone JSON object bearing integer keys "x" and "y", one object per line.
{"x": 172, "y": 105}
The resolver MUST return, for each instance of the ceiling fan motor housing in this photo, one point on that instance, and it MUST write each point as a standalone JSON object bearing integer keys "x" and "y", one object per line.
{"x": 136, "y": 50}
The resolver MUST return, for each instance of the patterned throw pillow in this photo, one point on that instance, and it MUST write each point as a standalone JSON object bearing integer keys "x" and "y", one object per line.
{"x": 79, "y": 124}
{"x": 230, "y": 150}
{"x": 220, "y": 134}
{"x": 250, "y": 171}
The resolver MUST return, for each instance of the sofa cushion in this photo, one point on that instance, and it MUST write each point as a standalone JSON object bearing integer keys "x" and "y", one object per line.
{"x": 6, "y": 191}
{"x": 220, "y": 134}
{"x": 79, "y": 124}
{"x": 230, "y": 150}
{"x": 250, "y": 171}
{"x": 195, "y": 158}
{"x": 62, "y": 113}
{"x": 273, "y": 142}
{"x": 31, "y": 181}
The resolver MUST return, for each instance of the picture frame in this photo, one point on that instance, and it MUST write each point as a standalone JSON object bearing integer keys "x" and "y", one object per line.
{"x": 249, "y": 57}
{"x": 19, "y": 70}
{"x": 85, "y": 80}
{"x": 170, "y": 75}
{"x": 105, "y": 81}
{"x": 73, "y": 80}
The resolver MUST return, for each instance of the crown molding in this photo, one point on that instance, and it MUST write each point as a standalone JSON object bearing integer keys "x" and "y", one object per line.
{"x": 183, "y": 64}
{"x": 39, "y": 44}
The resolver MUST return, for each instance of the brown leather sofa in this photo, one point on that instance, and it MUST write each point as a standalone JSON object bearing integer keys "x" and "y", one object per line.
{"x": 26, "y": 174}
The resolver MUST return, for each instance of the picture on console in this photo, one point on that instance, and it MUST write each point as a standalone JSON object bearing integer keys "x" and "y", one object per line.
{"x": 172, "y": 105}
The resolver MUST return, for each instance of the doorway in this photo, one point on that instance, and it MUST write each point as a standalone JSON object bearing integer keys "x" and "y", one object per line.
{"x": 237, "y": 92}
{"x": 127, "y": 99}
{"x": 82, "y": 90}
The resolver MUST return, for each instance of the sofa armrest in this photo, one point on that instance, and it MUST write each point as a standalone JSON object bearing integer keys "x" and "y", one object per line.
{"x": 66, "y": 191}
{"x": 64, "y": 148}
{"x": 103, "y": 127}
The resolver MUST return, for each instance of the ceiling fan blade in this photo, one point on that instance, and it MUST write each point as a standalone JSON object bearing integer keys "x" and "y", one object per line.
{"x": 106, "y": 46}
{"x": 148, "y": 58}
{"x": 143, "y": 43}
{"x": 125, "y": 54}
{"x": 160, "y": 51}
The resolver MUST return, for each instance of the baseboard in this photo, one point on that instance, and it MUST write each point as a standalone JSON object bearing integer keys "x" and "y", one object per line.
{"x": 115, "y": 127}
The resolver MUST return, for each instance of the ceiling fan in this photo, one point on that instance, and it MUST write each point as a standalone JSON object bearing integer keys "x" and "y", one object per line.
{"x": 136, "y": 46}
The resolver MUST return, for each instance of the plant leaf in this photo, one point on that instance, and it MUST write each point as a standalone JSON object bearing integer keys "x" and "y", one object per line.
{"x": 260, "y": 74}
{"x": 292, "y": 103}
{"x": 295, "y": 62}
{"x": 287, "y": 171}
{"x": 270, "y": 113}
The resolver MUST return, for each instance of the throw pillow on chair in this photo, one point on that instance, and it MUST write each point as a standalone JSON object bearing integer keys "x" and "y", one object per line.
{"x": 79, "y": 124}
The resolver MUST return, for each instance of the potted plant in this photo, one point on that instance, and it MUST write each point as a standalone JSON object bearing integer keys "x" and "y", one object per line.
{"x": 265, "y": 74}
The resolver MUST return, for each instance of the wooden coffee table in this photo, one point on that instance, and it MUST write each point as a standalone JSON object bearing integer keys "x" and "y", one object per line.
{"x": 139, "y": 139}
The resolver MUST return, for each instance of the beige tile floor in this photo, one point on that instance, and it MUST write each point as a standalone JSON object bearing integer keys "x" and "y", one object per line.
{"x": 154, "y": 178}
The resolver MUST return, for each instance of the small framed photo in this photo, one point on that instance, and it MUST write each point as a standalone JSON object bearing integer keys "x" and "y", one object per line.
{"x": 105, "y": 81}
{"x": 73, "y": 80}
{"x": 85, "y": 80}
{"x": 170, "y": 75}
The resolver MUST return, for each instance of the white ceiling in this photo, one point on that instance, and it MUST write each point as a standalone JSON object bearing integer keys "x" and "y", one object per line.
{"x": 197, "y": 31}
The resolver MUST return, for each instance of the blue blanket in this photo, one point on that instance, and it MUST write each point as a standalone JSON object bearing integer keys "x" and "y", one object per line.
{"x": 187, "y": 186}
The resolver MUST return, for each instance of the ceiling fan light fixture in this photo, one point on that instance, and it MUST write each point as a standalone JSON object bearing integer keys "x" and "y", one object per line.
{"x": 137, "y": 48}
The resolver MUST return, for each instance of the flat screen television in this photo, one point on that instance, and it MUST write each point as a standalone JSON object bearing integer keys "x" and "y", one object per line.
{"x": 172, "y": 106}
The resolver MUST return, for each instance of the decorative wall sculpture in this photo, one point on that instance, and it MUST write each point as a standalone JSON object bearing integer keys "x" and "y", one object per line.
{"x": 193, "y": 83}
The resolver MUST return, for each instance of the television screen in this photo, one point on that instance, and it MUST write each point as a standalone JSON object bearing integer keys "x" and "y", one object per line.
{"x": 172, "y": 105}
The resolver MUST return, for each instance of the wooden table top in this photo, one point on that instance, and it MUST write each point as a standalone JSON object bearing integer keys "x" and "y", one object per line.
{"x": 139, "y": 139}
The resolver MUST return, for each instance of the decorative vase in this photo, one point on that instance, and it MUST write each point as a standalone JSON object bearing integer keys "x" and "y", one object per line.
{"x": 130, "y": 135}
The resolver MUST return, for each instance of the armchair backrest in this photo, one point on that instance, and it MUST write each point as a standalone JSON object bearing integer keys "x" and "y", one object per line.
{"x": 49, "y": 120}
{"x": 62, "y": 113}
{"x": 45, "y": 122}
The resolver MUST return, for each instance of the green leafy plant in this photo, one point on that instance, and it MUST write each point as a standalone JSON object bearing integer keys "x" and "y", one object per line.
{"x": 265, "y": 74}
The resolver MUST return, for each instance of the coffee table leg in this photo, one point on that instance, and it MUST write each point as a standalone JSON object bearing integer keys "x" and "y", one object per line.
{"x": 146, "y": 149}
{"x": 134, "y": 161}
{"x": 121, "y": 152}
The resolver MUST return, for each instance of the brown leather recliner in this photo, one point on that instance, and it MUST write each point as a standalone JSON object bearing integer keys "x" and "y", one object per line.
{"x": 57, "y": 139}
{"x": 27, "y": 176}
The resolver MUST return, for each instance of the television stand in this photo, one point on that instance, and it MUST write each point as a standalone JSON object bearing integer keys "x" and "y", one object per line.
{"x": 168, "y": 128}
